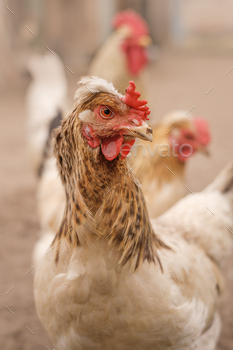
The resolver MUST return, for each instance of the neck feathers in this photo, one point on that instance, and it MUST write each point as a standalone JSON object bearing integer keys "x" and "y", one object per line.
{"x": 103, "y": 199}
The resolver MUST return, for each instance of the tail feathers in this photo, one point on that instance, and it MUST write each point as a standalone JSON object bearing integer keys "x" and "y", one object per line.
{"x": 223, "y": 182}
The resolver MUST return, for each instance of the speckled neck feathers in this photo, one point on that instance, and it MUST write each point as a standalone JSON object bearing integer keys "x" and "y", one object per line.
{"x": 103, "y": 198}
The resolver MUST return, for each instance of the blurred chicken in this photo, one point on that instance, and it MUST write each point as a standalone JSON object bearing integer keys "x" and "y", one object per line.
{"x": 160, "y": 167}
{"x": 124, "y": 55}
{"x": 112, "y": 278}
{"x": 46, "y": 100}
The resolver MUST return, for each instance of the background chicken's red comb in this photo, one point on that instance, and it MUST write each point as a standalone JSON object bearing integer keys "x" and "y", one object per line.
{"x": 202, "y": 127}
{"x": 133, "y": 20}
{"x": 131, "y": 98}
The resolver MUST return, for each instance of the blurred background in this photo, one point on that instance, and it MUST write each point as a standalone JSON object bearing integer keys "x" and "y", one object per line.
{"x": 192, "y": 51}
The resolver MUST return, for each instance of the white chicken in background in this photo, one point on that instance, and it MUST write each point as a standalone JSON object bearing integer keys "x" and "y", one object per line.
{"x": 124, "y": 55}
{"x": 46, "y": 98}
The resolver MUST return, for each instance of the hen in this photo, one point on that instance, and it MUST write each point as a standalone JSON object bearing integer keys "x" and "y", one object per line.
{"x": 124, "y": 55}
{"x": 112, "y": 279}
{"x": 160, "y": 167}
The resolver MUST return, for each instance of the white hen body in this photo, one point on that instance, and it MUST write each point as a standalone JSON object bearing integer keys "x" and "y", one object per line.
{"x": 167, "y": 194}
{"x": 88, "y": 301}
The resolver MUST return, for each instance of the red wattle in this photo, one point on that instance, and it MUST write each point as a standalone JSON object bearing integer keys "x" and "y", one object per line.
{"x": 126, "y": 148}
{"x": 111, "y": 146}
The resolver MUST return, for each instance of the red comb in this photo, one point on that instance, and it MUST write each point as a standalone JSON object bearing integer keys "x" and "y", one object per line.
{"x": 131, "y": 98}
{"x": 133, "y": 20}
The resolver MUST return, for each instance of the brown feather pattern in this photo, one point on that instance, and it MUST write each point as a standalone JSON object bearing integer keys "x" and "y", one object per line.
{"x": 103, "y": 200}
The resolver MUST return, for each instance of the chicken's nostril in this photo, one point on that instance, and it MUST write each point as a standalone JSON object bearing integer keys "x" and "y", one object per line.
{"x": 135, "y": 122}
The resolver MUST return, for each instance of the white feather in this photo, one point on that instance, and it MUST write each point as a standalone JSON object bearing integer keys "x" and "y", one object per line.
{"x": 91, "y": 85}
{"x": 46, "y": 95}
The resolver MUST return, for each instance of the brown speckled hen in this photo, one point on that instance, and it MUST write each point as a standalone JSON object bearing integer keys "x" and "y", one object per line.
{"x": 111, "y": 280}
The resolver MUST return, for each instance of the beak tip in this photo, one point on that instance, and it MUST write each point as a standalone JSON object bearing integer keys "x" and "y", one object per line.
{"x": 147, "y": 135}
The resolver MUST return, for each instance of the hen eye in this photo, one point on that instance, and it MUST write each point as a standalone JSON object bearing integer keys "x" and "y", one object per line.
{"x": 106, "y": 112}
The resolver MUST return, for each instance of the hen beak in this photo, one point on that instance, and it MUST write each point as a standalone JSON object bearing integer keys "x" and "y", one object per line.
{"x": 145, "y": 41}
{"x": 143, "y": 132}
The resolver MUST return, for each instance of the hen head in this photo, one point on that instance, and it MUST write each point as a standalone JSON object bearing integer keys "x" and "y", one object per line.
{"x": 110, "y": 120}
{"x": 136, "y": 39}
{"x": 190, "y": 134}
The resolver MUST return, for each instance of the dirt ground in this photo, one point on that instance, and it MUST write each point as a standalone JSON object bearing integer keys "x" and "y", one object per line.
{"x": 175, "y": 81}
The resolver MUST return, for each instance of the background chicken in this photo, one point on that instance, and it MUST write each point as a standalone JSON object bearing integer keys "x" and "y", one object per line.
{"x": 46, "y": 100}
{"x": 109, "y": 279}
{"x": 124, "y": 55}
{"x": 160, "y": 166}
